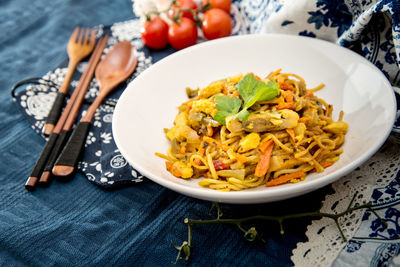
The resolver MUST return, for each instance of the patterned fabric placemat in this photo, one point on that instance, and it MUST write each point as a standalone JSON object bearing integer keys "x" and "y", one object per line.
{"x": 102, "y": 163}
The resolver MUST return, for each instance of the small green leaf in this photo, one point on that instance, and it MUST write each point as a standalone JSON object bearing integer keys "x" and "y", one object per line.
{"x": 221, "y": 116}
{"x": 246, "y": 87}
{"x": 225, "y": 103}
{"x": 227, "y": 106}
{"x": 253, "y": 90}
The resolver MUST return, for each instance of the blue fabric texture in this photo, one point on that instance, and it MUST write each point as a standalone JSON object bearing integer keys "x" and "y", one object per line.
{"x": 78, "y": 224}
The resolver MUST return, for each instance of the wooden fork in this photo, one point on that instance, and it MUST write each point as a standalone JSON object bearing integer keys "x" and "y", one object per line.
{"x": 80, "y": 45}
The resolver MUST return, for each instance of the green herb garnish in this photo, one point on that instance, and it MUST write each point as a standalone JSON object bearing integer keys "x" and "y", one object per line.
{"x": 252, "y": 91}
{"x": 227, "y": 106}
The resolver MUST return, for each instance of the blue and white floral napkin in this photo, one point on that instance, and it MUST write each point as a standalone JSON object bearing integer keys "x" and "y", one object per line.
{"x": 102, "y": 163}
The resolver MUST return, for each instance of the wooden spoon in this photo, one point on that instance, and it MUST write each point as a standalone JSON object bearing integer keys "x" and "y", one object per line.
{"x": 117, "y": 66}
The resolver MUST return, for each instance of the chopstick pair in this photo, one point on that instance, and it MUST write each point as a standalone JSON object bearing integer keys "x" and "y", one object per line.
{"x": 116, "y": 66}
{"x": 41, "y": 172}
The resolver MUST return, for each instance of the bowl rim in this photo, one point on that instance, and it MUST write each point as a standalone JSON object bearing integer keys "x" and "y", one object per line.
{"x": 276, "y": 193}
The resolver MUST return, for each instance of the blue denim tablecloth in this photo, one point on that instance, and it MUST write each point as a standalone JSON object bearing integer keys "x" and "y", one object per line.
{"x": 77, "y": 223}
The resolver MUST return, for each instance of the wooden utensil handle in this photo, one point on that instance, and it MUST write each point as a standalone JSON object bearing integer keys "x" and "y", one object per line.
{"x": 58, "y": 104}
{"x": 73, "y": 63}
{"x": 45, "y": 179}
{"x": 41, "y": 162}
{"x": 54, "y": 113}
{"x": 68, "y": 159}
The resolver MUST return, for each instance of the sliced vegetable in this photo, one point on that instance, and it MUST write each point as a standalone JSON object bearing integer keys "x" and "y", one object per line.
{"x": 191, "y": 92}
{"x": 179, "y": 169}
{"x": 286, "y": 178}
{"x": 305, "y": 119}
{"x": 336, "y": 127}
{"x": 265, "y": 158}
{"x": 271, "y": 120}
{"x": 210, "y": 130}
{"x": 239, "y": 174}
{"x": 249, "y": 142}
{"x": 289, "y": 101}
{"x": 290, "y": 132}
{"x": 286, "y": 86}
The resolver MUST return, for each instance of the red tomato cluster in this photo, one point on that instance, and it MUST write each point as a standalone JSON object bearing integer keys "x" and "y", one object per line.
{"x": 212, "y": 17}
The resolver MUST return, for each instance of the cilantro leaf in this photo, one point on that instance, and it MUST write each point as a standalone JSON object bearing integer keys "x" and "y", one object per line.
{"x": 226, "y": 106}
{"x": 253, "y": 90}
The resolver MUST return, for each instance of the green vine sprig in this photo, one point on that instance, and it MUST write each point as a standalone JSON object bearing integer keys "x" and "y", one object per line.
{"x": 251, "y": 233}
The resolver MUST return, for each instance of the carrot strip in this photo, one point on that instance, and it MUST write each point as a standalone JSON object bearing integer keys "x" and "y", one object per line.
{"x": 286, "y": 178}
{"x": 274, "y": 73}
{"x": 174, "y": 171}
{"x": 201, "y": 149}
{"x": 210, "y": 140}
{"x": 265, "y": 158}
{"x": 285, "y": 106}
{"x": 327, "y": 164}
{"x": 240, "y": 158}
{"x": 210, "y": 130}
{"x": 168, "y": 165}
{"x": 289, "y": 101}
{"x": 264, "y": 145}
{"x": 289, "y": 96}
{"x": 215, "y": 142}
{"x": 311, "y": 105}
{"x": 309, "y": 94}
{"x": 304, "y": 119}
{"x": 290, "y": 132}
{"x": 286, "y": 86}
{"x": 324, "y": 165}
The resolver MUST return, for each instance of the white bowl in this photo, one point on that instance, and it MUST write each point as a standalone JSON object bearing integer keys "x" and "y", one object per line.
{"x": 353, "y": 84}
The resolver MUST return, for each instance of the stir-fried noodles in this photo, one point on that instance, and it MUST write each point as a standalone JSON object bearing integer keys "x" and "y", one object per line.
{"x": 244, "y": 131}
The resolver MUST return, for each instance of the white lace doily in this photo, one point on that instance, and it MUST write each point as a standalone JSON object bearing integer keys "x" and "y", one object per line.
{"x": 324, "y": 239}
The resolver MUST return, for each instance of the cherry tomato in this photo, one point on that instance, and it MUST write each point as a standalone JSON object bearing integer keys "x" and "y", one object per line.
{"x": 183, "y": 34}
{"x": 216, "y": 23}
{"x": 155, "y": 33}
{"x": 183, "y": 4}
{"x": 222, "y": 4}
